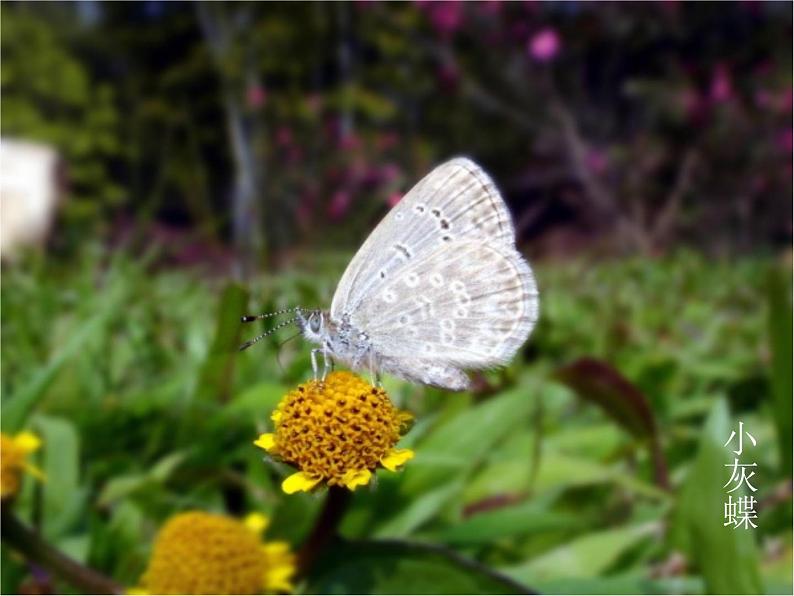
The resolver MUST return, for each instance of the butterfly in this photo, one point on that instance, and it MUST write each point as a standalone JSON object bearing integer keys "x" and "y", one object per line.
{"x": 438, "y": 287}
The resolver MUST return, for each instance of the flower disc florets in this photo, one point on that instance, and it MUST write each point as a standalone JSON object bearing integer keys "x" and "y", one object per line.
{"x": 336, "y": 431}
{"x": 206, "y": 553}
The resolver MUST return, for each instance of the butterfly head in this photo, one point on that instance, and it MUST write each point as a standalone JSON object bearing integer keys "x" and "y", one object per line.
{"x": 312, "y": 324}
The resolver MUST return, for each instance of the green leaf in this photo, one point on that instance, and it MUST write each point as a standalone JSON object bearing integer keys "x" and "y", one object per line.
{"x": 629, "y": 583}
{"x": 459, "y": 444}
{"x": 726, "y": 557}
{"x": 124, "y": 485}
{"x": 780, "y": 339}
{"x": 18, "y": 407}
{"x": 558, "y": 470}
{"x": 215, "y": 378}
{"x": 256, "y": 402}
{"x": 419, "y": 511}
{"x": 514, "y": 520}
{"x": 587, "y": 556}
{"x": 395, "y": 567}
{"x": 63, "y": 498}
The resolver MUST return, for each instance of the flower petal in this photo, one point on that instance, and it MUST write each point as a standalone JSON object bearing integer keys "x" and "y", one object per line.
{"x": 280, "y": 567}
{"x": 276, "y": 415}
{"x": 356, "y": 478}
{"x": 395, "y": 458}
{"x": 27, "y": 442}
{"x": 299, "y": 481}
{"x": 256, "y": 522}
{"x": 266, "y": 441}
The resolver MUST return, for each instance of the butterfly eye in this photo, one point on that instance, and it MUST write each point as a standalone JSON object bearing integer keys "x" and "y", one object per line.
{"x": 314, "y": 323}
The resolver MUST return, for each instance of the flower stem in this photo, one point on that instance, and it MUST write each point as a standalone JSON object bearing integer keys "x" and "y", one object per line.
{"x": 28, "y": 542}
{"x": 324, "y": 530}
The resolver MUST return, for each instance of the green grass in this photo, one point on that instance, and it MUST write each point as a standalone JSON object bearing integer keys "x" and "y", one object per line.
{"x": 129, "y": 373}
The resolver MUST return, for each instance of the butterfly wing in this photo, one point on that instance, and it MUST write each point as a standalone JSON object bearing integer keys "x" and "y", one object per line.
{"x": 467, "y": 304}
{"x": 455, "y": 201}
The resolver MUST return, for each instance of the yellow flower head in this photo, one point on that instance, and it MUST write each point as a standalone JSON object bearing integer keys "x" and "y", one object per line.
{"x": 13, "y": 461}
{"x": 336, "y": 432}
{"x": 206, "y": 553}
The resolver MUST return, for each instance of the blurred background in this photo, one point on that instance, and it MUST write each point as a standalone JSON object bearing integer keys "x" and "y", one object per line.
{"x": 168, "y": 166}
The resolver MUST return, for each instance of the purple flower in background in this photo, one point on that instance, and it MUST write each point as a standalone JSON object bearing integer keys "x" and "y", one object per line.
{"x": 445, "y": 17}
{"x": 721, "y": 89}
{"x": 255, "y": 96}
{"x": 544, "y": 46}
{"x": 390, "y": 172}
{"x": 350, "y": 142}
{"x": 340, "y": 203}
{"x": 393, "y": 199}
{"x": 597, "y": 161}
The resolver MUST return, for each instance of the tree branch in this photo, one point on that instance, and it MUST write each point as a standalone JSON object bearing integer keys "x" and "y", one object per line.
{"x": 672, "y": 206}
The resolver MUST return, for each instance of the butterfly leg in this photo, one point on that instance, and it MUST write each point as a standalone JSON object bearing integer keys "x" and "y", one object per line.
{"x": 326, "y": 365}
{"x": 314, "y": 362}
{"x": 374, "y": 373}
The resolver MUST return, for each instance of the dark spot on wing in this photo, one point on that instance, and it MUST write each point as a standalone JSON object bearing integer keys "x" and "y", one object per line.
{"x": 403, "y": 250}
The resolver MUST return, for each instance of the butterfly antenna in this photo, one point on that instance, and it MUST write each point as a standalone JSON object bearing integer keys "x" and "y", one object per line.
{"x": 252, "y": 318}
{"x": 251, "y": 342}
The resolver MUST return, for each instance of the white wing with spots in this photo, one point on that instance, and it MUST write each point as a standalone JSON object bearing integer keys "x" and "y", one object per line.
{"x": 456, "y": 201}
{"x": 467, "y": 304}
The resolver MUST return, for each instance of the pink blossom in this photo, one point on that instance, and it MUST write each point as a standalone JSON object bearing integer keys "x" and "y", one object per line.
{"x": 393, "y": 199}
{"x": 721, "y": 89}
{"x": 764, "y": 99}
{"x": 350, "y": 142}
{"x": 445, "y": 16}
{"x": 544, "y": 46}
{"x": 390, "y": 172}
{"x": 596, "y": 161}
{"x": 339, "y": 205}
{"x": 255, "y": 96}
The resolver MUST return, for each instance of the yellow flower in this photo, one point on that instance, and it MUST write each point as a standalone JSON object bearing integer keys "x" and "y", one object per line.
{"x": 336, "y": 432}
{"x": 13, "y": 461}
{"x": 205, "y": 553}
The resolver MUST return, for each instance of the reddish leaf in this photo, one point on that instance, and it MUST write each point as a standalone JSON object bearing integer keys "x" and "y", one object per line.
{"x": 602, "y": 384}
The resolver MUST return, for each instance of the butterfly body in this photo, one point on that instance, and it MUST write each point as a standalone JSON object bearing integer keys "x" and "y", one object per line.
{"x": 437, "y": 288}
{"x": 342, "y": 342}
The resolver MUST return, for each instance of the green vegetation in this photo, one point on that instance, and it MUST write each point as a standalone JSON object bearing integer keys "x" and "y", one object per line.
{"x": 128, "y": 371}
